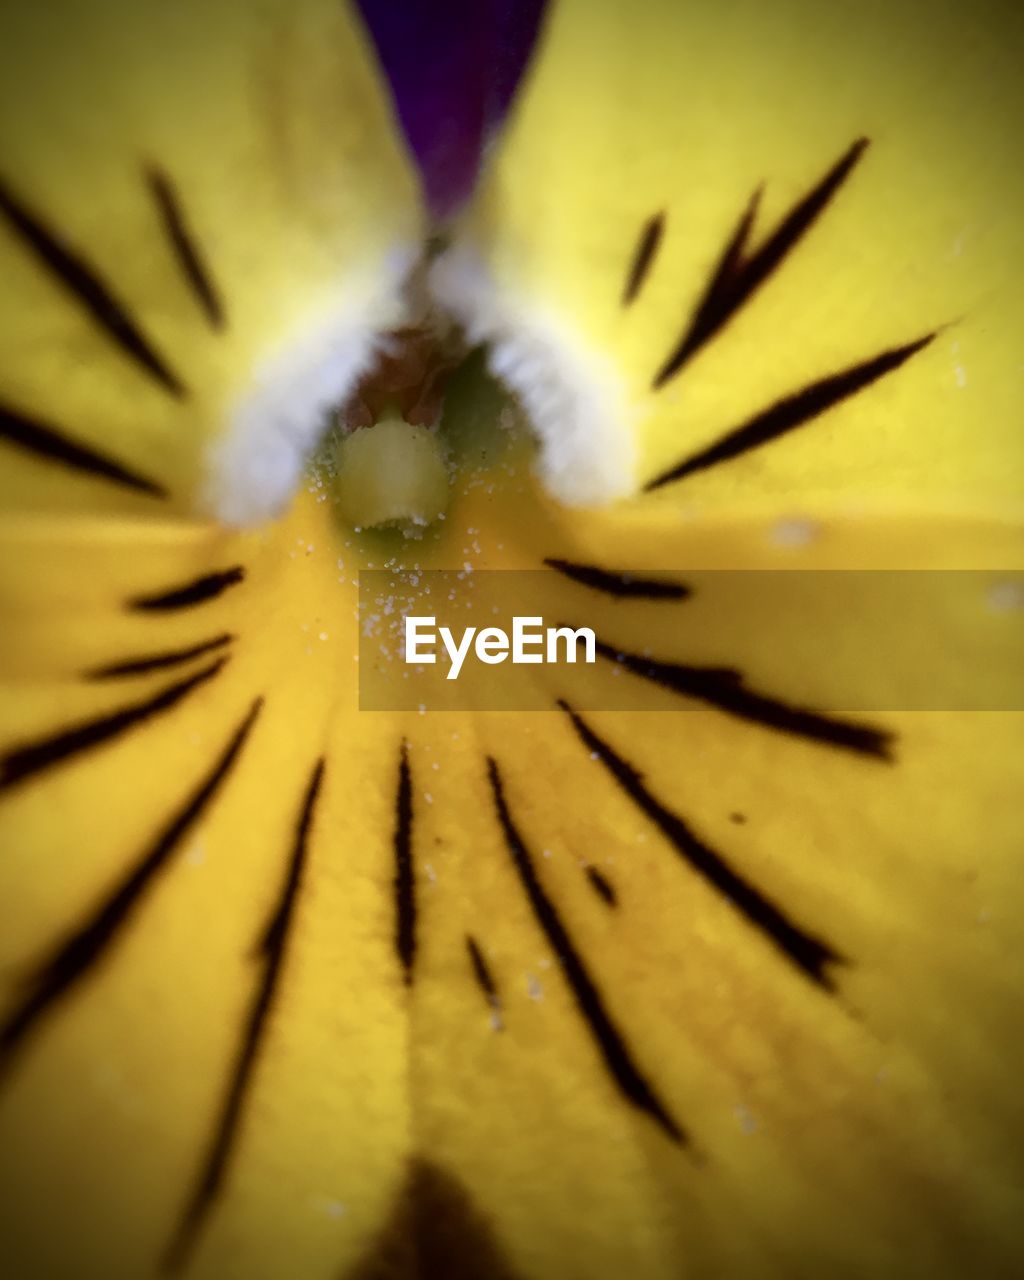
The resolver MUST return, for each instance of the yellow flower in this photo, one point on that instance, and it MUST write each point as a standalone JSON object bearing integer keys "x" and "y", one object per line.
{"x": 728, "y": 987}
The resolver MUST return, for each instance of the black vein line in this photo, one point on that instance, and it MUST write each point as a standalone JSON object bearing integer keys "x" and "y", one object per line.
{"x": 737, "y": 277}
{"x": 186, "y": 250}
{"x": 619, "y": 584}
{"x": 708, "y": 316}
{"x": 723, "y": 688}
{"x": 269, "y": 952}
{"x": 79, "y": 954}
{"x": 200, "y": 591}
{"x": 600, "y": 883}
{"x": 608, "y": 1039}
{"x": 809, "y": 954}
{"x": 83, "y": 283}
{"x": 484, "y": 978}
{"x": 49, "y": 443}
{"x": 793, "y": 411}
{"x": 404, "y": 881}
{"x": 157, "y": 661}
{"x": 22, "y": 762}
{"x": 643, "y": 257}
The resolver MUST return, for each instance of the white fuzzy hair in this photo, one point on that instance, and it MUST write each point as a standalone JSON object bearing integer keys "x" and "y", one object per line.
{"x": 573, "y": 397}
{"x": 254, "y": 467}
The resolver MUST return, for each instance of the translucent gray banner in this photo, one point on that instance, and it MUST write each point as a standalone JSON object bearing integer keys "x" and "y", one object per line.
{"x": 770, "y": 644}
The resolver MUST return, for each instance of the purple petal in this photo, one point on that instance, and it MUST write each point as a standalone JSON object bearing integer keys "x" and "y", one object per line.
{"x": 515, "y": 31}
{"x": 453, "y": 67}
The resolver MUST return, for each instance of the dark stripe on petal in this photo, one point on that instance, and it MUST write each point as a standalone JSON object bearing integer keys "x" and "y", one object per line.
{"x": 793, "y": 411}
{"x": 157, "y": 661}
{"x": 200, "y": 591}
{"x": 48, "y": 442}
{"x": 713, "y": 307}
{"x": 20, "y": 763}
{"x": 809, "y": 954}
{"x": 484, "y": 978}
{"x": 643, "y": 257}
{"x": 270, "y": 950}
{"x": 607, "y": 1037}
{"x": 434, "y": 1231}
{"x": 76, "y": 958}
{"x": 83, "y": 283}
{"x": 737, "y": 277}
{"x": 186, "y": 251}
{"x": 404, "y": 882}
{"x": 723, "y": 688}
{"x": 619, "y": 584}
{"x": 600, "y": 883}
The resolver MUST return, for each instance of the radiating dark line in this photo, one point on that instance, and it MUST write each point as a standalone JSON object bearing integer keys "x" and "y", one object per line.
{"x": 608, "y": 1039}
{"x": 480, "y": 969}
{"x": 619, "y": 584}
{"x": 483, "y": 975}
{"x": 185, "y": 248}
{"x": 736, "y": 277}
{"x": 723, "y": 688}
{"x": 434, "y": 1230}
{"x": 200, "y": 591}
{"x": 85, "y": 285}
{"x": 157, "y": 661}
{"x": 707, "y": 317}
{"x": 47, "y": 442}
{"x": 404, "y": 882}
{"x": 75, "y": 958}
{"x": 643, "y": 257}
{"x": 807, "y": 952}
{"x": 603, "y": 886}
{"x": 793, "y": 411}
{"x": 269, "y": 951}
{"x": 25, "y": 761}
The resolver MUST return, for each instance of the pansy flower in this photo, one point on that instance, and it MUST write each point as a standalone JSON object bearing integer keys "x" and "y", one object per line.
{"x": 726, "y": 982}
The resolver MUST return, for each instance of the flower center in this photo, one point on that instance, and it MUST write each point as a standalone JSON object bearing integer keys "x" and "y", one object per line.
{"x": 393, "y": 472}
{"x": 390, "y": 459}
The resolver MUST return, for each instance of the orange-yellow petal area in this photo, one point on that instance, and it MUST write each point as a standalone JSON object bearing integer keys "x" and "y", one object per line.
{"x": 868, "y": 1122}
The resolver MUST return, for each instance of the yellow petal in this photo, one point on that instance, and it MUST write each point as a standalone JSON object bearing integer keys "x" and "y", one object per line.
{"x": 205, "y": 216}
{"x": 757, "y": 1000}
{"x": 849, "y": 179}
{"x": 713, "y": 990}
